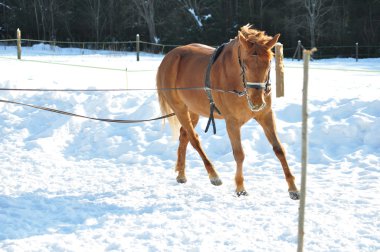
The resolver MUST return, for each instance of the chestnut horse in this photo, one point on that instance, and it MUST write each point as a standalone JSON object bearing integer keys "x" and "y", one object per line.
{"x": 238, "y": 88}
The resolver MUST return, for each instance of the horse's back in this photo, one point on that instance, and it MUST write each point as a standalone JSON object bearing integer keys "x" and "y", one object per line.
{"x": 184, "y": 68}
{"x": 187, "y": 63}
{"x": 194, "y": 49}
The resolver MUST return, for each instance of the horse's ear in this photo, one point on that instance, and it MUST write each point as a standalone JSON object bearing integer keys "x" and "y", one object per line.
{"x": 244, "y": 42}
{"x": 273, "y": 41}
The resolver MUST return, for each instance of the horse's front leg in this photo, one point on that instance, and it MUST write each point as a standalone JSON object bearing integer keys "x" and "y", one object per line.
{"x": 267, "y": 121}
{"x": 233, "y": 129}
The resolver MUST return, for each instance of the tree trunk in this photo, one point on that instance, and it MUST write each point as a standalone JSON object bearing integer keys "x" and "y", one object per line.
{"x": 146, "y": 11}
{"x": 312, "y": 31}
{"x": 97, "y": 17}
{"x": 43, "y": 19}
{"x": 316, "y": 11}
{"x": 37, "y": 21}
{"x": 52, "y": 28}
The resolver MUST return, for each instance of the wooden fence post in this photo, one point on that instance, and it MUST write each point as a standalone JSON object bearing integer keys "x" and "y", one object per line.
{"x": 53, "y": 44}
{"x": 18, "y": 44}
{"x": 137, "y": 47}
{"x": 299, "y": 50}
{"x": 301, "y": 216}
{"x": 279, "y": 55}
{"x": 357, "y": 51}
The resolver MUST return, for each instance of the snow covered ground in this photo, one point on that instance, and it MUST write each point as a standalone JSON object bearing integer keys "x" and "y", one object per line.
{"x": 69, "y": 184}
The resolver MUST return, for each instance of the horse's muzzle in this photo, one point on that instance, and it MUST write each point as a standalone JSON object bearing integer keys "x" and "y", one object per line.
{"x": 256, "y": 108}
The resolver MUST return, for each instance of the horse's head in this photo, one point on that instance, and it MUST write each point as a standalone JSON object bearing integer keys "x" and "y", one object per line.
{"x": 255, "y": 56}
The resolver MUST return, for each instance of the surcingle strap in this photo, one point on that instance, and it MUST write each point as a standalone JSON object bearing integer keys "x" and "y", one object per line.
{"x": 213, "y": 107}
{"x": 211, "y": 117}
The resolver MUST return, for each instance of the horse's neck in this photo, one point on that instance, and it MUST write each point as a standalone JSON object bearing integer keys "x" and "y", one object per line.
{"x": 228, "y": 64}
{"x": 231, "y": 51}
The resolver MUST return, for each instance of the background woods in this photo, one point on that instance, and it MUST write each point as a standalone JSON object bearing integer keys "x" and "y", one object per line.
{"x": 314, "y": 22}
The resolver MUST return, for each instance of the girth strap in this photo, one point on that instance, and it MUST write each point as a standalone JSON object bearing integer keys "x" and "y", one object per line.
{"x": 213, "y": 107}
{"x": 211, "y": 117}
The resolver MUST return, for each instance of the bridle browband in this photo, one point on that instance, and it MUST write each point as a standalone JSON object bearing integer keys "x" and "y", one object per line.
{"x": 246, "y": 84}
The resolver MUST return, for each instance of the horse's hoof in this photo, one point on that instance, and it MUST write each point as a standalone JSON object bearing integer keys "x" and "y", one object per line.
{"x": 242, "y": 193}
{"x": 216, "y": 181}
{"x": 181, "y": 180}
{"x": 294, "y": 195}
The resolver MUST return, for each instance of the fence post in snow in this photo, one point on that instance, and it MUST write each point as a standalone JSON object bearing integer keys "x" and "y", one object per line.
{"x": 279, "y": 70}
{"x": 298, "y": 51}
{"x": 53, "y": 44}
{"x": 18, "y": 44}
{"x": 137, "y": 47}
{"x": 301, "y": 216}
{"x": 357, "y": 51}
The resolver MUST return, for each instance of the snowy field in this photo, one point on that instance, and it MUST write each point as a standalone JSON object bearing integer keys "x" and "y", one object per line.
{"x": 69, "y": 184}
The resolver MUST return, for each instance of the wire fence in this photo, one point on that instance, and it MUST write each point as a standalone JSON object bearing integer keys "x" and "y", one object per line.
{"x": 349, "y": 51}
{"x": 88, "y": 47}
{"x": 123, "y": 47}
{"x": 116, "y": 48}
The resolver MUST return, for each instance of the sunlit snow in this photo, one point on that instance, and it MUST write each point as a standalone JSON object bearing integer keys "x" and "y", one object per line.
{"x": 70, "y": 184}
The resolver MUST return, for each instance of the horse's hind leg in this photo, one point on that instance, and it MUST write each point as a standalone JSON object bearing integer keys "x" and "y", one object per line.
{"x": 269, "y": 126}
{"x": 184, "y": 118}
{"x": 183, "y": 142}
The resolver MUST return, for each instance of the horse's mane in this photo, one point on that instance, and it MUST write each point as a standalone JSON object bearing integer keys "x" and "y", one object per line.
{"x": 258, "y": 38}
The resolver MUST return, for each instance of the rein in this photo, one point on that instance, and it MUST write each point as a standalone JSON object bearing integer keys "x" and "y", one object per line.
{"x": 102, "y": 90}
{"x": 86, "y": 117}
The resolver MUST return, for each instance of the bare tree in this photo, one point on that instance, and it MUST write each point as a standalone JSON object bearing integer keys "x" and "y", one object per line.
{"x": 41, "y": 8}
{"x": 52, "y": 19}
{"x": 263, "y": 4}
{"x": 372, "y": 21}
{"x": 35, "y": 7}
{"x": 45, "y": 14}
{"x": 145, "y": 9}
{"x": 111, "y": 13}
{"x": 95, "y": 17}
{"x": 315, "y": 16}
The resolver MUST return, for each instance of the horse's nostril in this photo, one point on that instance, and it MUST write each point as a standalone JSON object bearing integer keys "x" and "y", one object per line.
{"x": 257, "y": 108}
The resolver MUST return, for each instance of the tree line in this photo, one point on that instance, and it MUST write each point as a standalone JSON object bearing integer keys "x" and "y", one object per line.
{"x": 314, "y": 22}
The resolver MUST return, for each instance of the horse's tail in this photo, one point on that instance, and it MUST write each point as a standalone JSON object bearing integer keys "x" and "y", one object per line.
{"x": 166, "y": 109}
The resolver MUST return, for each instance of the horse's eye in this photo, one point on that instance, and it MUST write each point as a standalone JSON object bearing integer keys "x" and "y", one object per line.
{"x": 254, "y": 53}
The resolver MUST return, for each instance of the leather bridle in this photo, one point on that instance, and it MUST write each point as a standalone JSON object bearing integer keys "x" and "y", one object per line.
{"x": 256, "y": 85}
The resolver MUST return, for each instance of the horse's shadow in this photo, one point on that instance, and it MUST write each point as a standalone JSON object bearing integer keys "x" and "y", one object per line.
{"x": 33, "y": 214}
